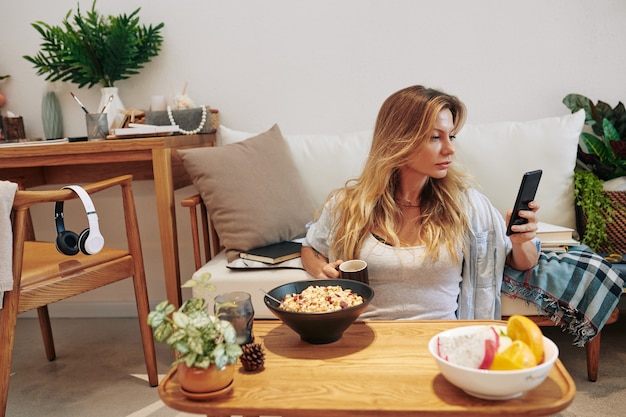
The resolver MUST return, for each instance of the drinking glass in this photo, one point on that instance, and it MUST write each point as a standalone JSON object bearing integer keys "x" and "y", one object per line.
{"x": 236, "y": 308}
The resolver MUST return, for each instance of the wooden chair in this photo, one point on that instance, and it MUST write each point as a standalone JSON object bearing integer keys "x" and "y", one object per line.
{"x": 42, "y": 275}
{"x": 210, "y": 240}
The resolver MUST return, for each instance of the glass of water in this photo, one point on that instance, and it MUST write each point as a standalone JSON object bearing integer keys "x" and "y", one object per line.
{"x": 236, "y": 308}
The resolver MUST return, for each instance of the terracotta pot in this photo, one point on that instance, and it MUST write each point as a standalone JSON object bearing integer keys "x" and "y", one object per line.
{"x": 198, "y": 380}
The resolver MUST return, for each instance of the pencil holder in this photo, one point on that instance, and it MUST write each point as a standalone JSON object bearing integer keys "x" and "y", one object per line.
{"x": 97, "y": 126}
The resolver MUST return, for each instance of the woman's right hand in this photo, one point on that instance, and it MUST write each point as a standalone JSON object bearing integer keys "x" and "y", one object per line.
{"x": 331, "y": 270}
{"x": 317, "y": 265}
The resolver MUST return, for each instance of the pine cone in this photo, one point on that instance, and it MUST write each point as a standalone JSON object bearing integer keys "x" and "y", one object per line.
{"x": 253, "y": 357}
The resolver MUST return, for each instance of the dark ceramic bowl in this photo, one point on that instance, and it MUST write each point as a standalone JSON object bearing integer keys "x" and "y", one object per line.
{"x": 319, "y": 328}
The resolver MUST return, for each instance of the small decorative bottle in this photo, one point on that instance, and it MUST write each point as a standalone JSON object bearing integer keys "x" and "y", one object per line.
{"x": 51, "y": 116}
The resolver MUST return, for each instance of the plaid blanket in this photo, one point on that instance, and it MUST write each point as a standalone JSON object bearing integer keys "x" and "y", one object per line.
{"x": 577, "y": 289}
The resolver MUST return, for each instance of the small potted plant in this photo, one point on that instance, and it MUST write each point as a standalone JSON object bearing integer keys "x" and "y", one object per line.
{"x": 603, "y": 158}
{"x": 94, "y": 49}
{"x": 206, "y": 347}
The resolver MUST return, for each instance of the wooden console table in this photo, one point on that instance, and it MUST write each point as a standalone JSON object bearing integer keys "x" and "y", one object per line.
{"x": 80, "y": 162}
{"x": 377, "y": 369}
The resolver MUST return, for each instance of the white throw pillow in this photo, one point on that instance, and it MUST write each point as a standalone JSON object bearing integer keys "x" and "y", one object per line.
{"x": 325, "y": 161}
{"x": 498, "y": 154}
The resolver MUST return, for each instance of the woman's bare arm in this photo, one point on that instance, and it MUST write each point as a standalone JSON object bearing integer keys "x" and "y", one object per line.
{"x": 317, "y": 264}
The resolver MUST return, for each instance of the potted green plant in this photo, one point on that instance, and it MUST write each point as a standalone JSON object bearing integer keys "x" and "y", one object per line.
{"x": 601, "y": 158}
{"x": 206, "y": 347}
{"x": 595, "y": 209}
{"x": 94, "y": 49}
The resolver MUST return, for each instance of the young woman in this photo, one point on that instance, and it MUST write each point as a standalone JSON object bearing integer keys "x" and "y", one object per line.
{"x": 435, "y": 247}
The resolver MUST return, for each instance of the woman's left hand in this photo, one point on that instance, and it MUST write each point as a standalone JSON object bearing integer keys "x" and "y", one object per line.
{"x": 524, "y": 254}
{"x": 528, "y": 231}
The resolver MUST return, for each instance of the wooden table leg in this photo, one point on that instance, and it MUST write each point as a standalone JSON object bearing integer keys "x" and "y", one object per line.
{"x": 164, "y": 191}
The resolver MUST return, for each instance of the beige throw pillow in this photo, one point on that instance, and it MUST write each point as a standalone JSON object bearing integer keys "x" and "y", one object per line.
{"x": 253, "y": 191}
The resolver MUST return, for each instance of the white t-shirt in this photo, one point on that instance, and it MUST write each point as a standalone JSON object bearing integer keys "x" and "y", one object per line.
{"x": 406, "y": 286}
{"x": 480, "y": 278}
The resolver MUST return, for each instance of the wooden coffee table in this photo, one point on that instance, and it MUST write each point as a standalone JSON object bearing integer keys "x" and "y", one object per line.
{"x": 378, "y": 369}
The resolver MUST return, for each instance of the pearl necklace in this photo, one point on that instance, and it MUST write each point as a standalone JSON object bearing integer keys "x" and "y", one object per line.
{"x": 188, "y": 132}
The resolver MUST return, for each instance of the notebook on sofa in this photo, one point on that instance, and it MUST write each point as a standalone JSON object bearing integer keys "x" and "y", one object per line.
{"x": 274, "y": 253}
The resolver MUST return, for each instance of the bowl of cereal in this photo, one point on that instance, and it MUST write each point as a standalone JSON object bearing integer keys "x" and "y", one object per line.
{"x": 319, "y": 310}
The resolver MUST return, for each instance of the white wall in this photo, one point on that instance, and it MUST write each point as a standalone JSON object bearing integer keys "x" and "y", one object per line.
{"x": 326, "y": 65}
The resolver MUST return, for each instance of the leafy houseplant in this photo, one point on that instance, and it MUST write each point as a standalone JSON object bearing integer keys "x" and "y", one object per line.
{"x": 605, "y": 155}
{"x": 93, "y": 49}
{"x": 199, "y": 338}
{"x": 603, "y": 159}
{"x": 596, "y": 206}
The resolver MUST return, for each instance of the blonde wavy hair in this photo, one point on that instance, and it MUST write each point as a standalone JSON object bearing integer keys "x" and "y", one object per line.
{"x": 405, "y": 123}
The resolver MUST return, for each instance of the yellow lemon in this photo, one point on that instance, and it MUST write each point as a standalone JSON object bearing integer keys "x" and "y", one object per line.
{"x": 516, "y": 356}
{"x": 524, "y": 329}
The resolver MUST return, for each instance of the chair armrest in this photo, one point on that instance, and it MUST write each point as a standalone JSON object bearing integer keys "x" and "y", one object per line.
{"x": 210, "y": 239}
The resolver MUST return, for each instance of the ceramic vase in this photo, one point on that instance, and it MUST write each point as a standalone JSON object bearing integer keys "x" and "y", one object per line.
{"x": 114, "y": 108}
{"x": 51, "y": 116}
{"x": 198, "y": 380}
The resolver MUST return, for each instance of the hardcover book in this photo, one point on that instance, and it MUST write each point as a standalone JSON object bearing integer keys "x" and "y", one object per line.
{"x": 555, "y": 238}
{"x": 274, "y": 253}
{"x": 552, "y": 233}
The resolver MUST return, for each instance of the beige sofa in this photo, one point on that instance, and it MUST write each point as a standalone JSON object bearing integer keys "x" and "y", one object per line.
{"x": 496, "y": 153}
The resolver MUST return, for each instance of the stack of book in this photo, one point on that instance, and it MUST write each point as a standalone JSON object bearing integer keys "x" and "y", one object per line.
{"x": 136, "y": 130}
{"x": 274, "y": 253}
{"x": 555, "y": 238}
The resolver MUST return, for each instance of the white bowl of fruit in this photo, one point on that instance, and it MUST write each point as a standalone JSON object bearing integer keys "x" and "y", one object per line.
{"x": 495, "y": 362}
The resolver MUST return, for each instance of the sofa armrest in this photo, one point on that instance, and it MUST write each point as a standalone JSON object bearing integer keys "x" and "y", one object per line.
{"x": 210, "y": 240}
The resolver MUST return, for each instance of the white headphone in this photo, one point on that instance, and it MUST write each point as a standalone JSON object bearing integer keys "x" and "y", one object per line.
{"x": 90, "y": 240}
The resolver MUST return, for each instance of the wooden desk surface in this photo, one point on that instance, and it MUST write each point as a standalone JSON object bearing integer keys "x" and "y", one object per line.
{"x": 377, "y": 368}
{"x": 59, "y": 163}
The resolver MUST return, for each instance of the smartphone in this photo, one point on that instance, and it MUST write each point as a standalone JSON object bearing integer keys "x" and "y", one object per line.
{"x": 526, "y": 194}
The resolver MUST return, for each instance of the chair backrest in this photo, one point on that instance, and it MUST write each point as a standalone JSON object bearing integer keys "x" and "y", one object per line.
{"x": 25, "y": 199}
{"x": 124, "y": 267}
{"x": 205, "y": 230}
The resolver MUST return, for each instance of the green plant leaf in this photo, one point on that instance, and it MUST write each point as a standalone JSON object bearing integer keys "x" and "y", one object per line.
{"x": 196, "y": 345}
{"x": 204, "y": 363}
{"x": 575, "y": 102}
{"x": 598, "y": 147}
{"x": 620, "y": 120}
{"x": 180, "y": 319}
{"x": 609, "y": 130}
{"x": 163, "y": 331}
